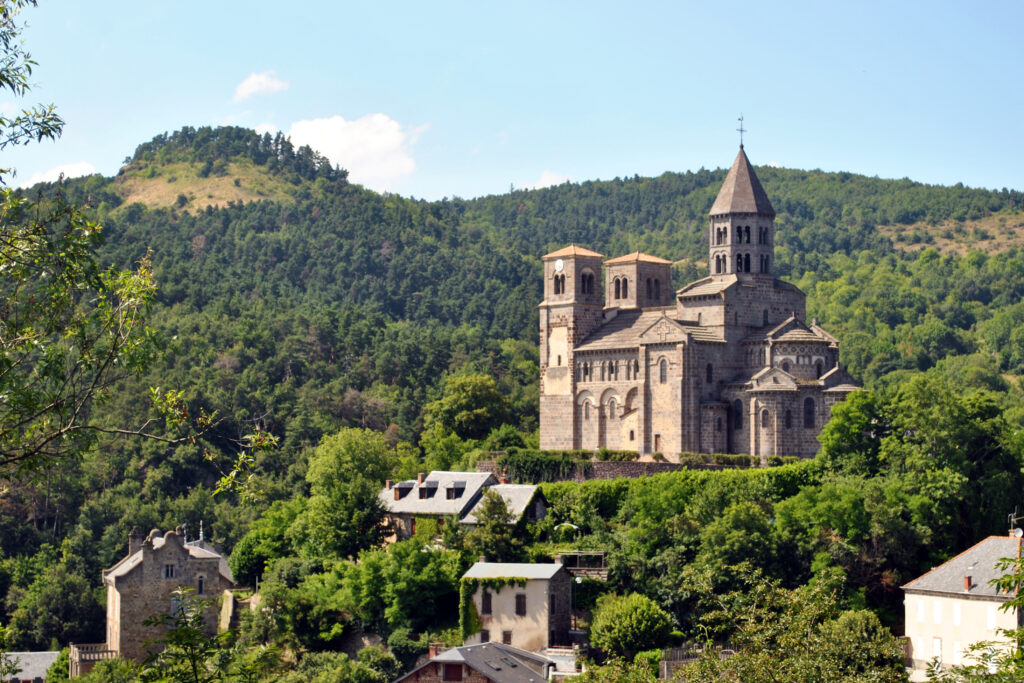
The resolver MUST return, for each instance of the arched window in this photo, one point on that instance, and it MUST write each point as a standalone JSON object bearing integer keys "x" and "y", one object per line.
{"x": 746, "y": 230}
{"x": 764, "y": 317}
{"x": 603, "y": 364}
{"x": 625, "y": 288}
{"x": 809, "y": 413}
{"x": 766, "y": 420}
{"x": 817, "y": 369}
{"x": 710, "y": 373}
{"x": 663, "y": 371}
{"x": 739, "y": 263}
{"x": 636, "y": 368}
{"x": 789, "y": 419}
{"x": 650, "y": 288}
{"x": 785, "y": 366}
{"x": 632, "y": 435}
{"x": 558, "y": 289}
{"x": 657, "y": 290}
{"x": 586, "y": 410}
{"x": 618, "y": 288}
{"x": 611, "y": 409}
{"x": 739, "y": 234}
{"x": 737, "y": 414}
{"x": 700, "y": 316}
{"x": 746, "y": 263}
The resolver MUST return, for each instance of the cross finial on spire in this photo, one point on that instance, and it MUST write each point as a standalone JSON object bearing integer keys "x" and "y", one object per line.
{"x": 741, "y": 130}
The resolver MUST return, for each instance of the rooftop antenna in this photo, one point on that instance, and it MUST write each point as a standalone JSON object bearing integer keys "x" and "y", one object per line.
{"x": 741, "y": 130}
{"x": 1011, "y": 521}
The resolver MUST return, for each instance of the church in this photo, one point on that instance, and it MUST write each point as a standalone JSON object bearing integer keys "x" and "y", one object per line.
{"x": 727, "y": 364}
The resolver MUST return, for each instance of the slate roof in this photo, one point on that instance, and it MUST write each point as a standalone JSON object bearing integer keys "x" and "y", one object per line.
{"x": 468, "y": 486}
{"x": 517, "y": 497}
{"x": 791, "y": 330}
{"x": 201, "y": 550}
{"x": 501, "y": 570}
{"x": 32, "y": 664}
{"x": 500, "y": 663}
{"x": 571, "y": 250}
{"x": 978, "y": 562}
{"x": 624, "y": 330}
{"x": 742, "y": 192}
{"x": 637, "y": 256}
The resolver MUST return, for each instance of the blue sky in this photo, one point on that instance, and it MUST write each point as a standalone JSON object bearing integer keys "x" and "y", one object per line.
{"x": 467, "y": 99}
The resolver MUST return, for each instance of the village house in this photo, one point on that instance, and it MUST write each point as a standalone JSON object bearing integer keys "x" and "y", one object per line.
{"x": 441, "y": 495}
{"x": 484, "y": 663}
{"x": 954, "y": 606}
{"x": 141, "y": 586}
{"x": 32, "y": 666}
{"x": 522, "y": 605}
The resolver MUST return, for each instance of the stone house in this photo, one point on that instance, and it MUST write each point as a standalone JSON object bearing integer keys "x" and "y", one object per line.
{"x": 519, "y": 604}
{"x": 141, "y": 586}
{"x": 484, "y": 663}
{"x": 726, "y": 364}
{"x": 441, "y": 495}
{"x": 954, "y": 606}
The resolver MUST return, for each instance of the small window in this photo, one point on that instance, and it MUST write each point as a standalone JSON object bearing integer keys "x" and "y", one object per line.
{"x": 485, "y": 603}
{"x": 625, "y": 288}
{"x": 809, "y": 412}
{"x": 632, "y": 435}
{"x": 449, "y": 494}
{"x": 710, "y": 372}
{"x": 200, "y": 586}
{"x": 737, "y": 415}
{"x": 559, "y": 361}
{"x": 746, "y": 262}
{"x": 521, "y": 604}
{"x": 586, "y": 410}
{"x": 765, "y": 420}
{"x": 650, "y": 289}
{"x": 785, "y": 366}
{"x": 764, "y": 317}
{"x": 789, "y": 419}
{"x": 506, "y": 637}
{"x": 663, "y": 370}
{"x": 451, "y": 672}
{"x": 618, "y": 288}
{"x": 485, "y": 636}
{"x": 657, "y": 290}
{"x": 168, "y": 571}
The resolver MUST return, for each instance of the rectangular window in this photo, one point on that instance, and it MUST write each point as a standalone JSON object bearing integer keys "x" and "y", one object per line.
{"x": 449, "y": 494}
{"x": 920, "y": 609}
{"x": 956, "y": 614}
{"x": 937, "y": 649}
{"x": 485, "y": 603}
{"x": 937, "y": 612}
{"x": 168, "y": 571}
{"x": 451, "y": 672}
{"x": 991, "y": 617}
{"x": 521, "y": 604}
{"x": 957, "y": 655}
{"x": 506, "y": 637}
{"x": 485, "y": 636}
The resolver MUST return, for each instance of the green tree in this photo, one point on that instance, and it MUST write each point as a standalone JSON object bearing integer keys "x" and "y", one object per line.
{"x": 470, "y": 406}
{"x": 186, "y": 653}
{"x": 625, "y": 625}
{"x": 346, "y": 474}
{"x": 495, "y": 534}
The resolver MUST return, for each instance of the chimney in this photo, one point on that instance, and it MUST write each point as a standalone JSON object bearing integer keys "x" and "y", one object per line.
{"x": 503, "y": 477}
{"x": 434, "y": 649}
{"x": 134, "y": 540}
{"x": 388, "y": 484}
{"x": 419, "y": 478}
{"x": 967, "y": 584}
{"x": 483, "y": 558}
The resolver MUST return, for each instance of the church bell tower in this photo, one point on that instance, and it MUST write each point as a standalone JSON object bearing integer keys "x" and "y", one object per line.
{"x": 742, "y": 225}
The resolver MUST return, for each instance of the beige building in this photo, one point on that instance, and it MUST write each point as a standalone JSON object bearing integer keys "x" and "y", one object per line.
{"x": 532, "y": 616}
{"x": 954, "y": 606}
{"x": 141, "y": 586}
{"x": 484, "y": 663}
{"x": 726, "y": 364}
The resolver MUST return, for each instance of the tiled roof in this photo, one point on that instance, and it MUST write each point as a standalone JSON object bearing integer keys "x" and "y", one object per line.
{"x": 502, "y": 570}
{"x": 742, "y": 192}
{"x": 467, "y": 485}
{"x": 201, "y": 550}
{"x": 978, "y": 562}
{"x": 625, "y": 329}
{"x": 635, "y": 257}
{"x": 571, "y": 250}
{"x": 517, "y": 497}
{"x": 496, "y": 662}
{"x": 708, "y": 285}
{"x": 32, "y": 665}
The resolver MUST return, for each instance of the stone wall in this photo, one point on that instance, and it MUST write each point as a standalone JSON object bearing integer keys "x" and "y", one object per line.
{"x": 611, "y": 470}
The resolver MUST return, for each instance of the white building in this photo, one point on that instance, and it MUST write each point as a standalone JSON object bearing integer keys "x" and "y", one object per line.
{"x": 954, "y": 606}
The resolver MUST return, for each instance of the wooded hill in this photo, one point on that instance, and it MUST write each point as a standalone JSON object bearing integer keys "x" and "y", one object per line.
{"x": 300, "y": 301}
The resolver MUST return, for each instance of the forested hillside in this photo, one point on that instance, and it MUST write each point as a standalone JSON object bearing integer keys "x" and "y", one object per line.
{"x": 298, "y": 301}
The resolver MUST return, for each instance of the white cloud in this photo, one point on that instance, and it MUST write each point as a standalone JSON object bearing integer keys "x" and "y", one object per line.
{"x": 547, "y": 179}
{"x": 264, "y": 83}
{"x": 266, "y": 128}
{"x": 50, "y": 175}
{"x": 374, "y": 149}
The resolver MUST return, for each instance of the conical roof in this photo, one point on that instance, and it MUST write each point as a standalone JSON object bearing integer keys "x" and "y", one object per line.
{"x": 742, "y": 192}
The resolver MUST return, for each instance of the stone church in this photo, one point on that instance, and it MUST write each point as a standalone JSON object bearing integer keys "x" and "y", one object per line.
{"x": 727, "y": 364}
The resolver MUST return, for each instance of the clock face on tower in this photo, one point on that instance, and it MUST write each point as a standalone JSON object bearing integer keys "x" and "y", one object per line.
{"x": 559, "y": 265}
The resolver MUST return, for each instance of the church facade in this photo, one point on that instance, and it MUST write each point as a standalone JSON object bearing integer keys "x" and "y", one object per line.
{"x": 727, "y": 364}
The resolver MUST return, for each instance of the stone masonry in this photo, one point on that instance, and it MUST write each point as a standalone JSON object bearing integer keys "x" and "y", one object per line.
{"x": 726, "y": 364}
